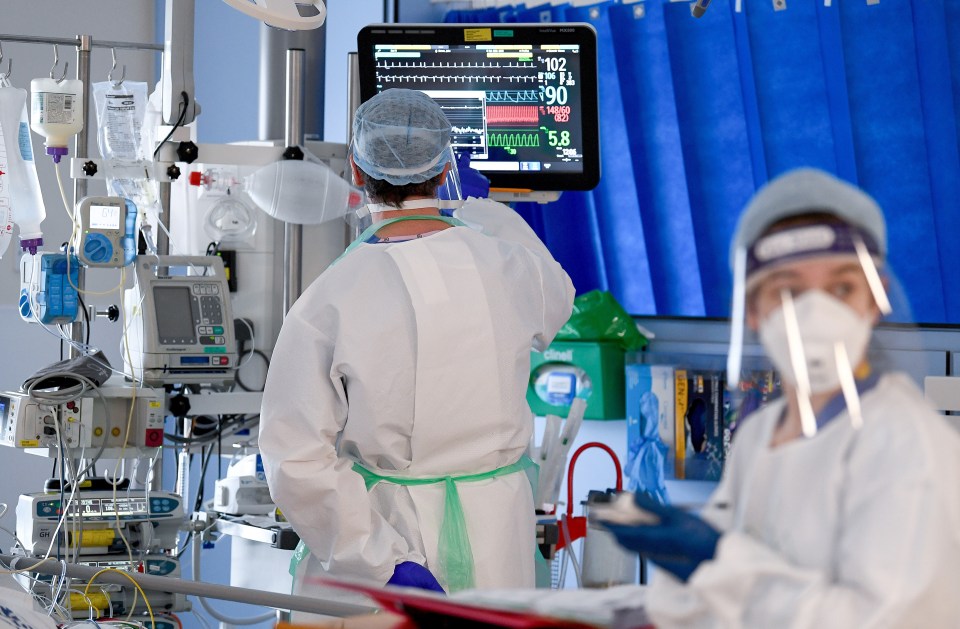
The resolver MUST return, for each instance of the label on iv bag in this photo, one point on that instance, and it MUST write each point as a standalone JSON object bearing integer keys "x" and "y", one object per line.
{"x": 121, "y": 128}
{"x": 6, "y": 222}
{"x": 23, "y": 139}
{"x": 4, "y": 167}
{"x": 54, "y": 108}
{"x": 6, "y": 212}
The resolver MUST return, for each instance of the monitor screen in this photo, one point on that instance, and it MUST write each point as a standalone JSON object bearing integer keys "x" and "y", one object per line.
{"x": 104, "y": 217}
{"x": 175, "y": 324}
{"x": 521, "y": 98}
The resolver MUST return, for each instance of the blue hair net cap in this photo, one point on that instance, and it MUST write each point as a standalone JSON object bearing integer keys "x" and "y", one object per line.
{"x": 401, "y": 136}
{"x": 804, "y": 191}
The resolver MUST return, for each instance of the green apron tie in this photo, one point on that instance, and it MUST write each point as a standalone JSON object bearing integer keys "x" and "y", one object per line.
{"x": 298, "y": 555}
{"x": 454, "y": 552}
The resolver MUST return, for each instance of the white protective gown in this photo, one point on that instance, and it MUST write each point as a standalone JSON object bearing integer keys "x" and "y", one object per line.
{"x": 413, "y": 358}
{"x": 847, "y": 529}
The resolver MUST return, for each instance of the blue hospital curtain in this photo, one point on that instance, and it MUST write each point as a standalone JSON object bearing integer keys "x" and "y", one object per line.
{"x": 886, "y": 107}
{"x": 791, "y": 88}
{"x": 643, "y": 66}
{"x": 615, "y": 198}
{"x": 714, "y": 140}
{"x": 569, "y": 227}
{"x": 940, "y": 127}
{"x": 696, "y": 114}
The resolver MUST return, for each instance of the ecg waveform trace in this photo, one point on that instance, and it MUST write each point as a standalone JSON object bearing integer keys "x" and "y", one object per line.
{"x": 406, "y": 65}
{"x": 509, "y": 115}
{"x": 466, "y": 130}
{"x": 513, "y": 96}
{"x": 514, "y": 140}
{"x": 466, "y": 79}
{"x": 494, "y": 72}
{"x": 466, "y": 119}
{"x": 462, "y": 112}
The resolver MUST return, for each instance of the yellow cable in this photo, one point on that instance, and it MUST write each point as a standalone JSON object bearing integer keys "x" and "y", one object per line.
{"x": 135, "y": 584}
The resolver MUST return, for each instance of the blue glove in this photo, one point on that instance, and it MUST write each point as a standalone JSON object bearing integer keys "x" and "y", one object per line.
{"x": 413, "y": 575}
{"x": 679, "y": 543}
{"x": 473, "y": 183}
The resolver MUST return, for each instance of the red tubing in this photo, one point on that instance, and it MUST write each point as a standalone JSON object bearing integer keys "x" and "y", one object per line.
{"x": 573, "y": 462}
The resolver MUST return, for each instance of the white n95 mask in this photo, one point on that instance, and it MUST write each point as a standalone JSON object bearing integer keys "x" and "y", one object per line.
{"x": 823, "y": 322}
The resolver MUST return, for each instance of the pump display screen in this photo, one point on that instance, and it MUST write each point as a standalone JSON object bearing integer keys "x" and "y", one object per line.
{"x": 521, "y": 98}
{"x": 175, "y": 321}
{"x": 104, "y": 217}
{"x": 91, "y": 507}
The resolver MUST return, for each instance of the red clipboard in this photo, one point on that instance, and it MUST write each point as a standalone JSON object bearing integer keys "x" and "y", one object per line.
{"x": 435, "y": 611}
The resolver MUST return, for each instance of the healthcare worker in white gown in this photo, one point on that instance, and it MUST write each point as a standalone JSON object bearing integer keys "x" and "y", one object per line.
{"x": 840, "y": 505}
{"x": 394, "y": 420}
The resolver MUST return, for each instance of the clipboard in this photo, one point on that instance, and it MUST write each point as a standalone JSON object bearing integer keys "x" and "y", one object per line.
{"x": 435, "y": 611}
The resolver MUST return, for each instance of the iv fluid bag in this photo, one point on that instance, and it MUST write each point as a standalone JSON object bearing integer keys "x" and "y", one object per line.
{"x": 120, "y": 114}
{"x": 6, "y": 212}
{"x": 19, "y": 179}
{"x": 57, "y": 112}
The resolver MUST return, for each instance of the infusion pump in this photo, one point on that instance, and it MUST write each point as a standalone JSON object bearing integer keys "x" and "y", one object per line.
{"x": 148, "y": 521}
{"x": 181, "y": 322}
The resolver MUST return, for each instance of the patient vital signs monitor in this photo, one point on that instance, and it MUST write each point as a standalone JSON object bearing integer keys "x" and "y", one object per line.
{"x": 522, "y": 98}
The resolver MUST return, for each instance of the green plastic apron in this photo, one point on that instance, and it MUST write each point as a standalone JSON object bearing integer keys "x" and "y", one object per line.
{"x": 455, "y": 554}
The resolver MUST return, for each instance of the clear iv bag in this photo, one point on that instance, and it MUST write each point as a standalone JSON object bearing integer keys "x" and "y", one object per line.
{"x": 6, "y": 212}
{"x": 120, "y": 117}
{"x": 19, "y": 178}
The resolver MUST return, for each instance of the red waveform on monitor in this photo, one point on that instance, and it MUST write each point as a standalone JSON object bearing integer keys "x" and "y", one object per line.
{"x": 512, "y": 115}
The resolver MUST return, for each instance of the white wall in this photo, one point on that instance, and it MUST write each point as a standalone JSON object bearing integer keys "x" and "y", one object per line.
{"x": 345, "y": 18}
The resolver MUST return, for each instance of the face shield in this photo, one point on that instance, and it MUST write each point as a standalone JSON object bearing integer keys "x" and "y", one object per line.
{"x": 814, "y": 294}
{"x": 450, "y": 191}
{"x": 810, "y": 280}
{"x": 402, "y": 137}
